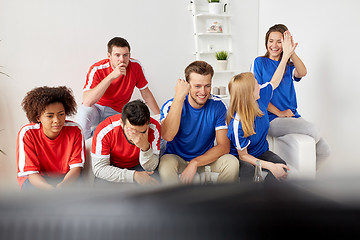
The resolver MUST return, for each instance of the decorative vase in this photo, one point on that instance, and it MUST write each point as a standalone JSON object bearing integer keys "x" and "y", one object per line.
{"x": 222, "y": 64}
{"x": 215, "y": 8}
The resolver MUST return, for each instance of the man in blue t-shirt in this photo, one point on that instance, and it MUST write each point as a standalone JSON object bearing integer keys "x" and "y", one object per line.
{"x": 190, "y": 122}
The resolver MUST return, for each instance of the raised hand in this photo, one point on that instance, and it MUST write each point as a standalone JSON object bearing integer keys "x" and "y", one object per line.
{"x": 288, "y": 44}
{"x": 182, "y": 88}
{"x": 119, "y": 70}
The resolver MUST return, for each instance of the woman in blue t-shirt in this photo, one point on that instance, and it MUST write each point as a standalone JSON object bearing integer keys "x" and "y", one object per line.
{"x": 248, "y": 121}
{"x": 282, "y": 110}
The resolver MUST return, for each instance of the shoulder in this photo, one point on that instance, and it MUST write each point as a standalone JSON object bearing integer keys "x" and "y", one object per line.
{"x": 235, "y": 123}
{"x": 73, "y": 126}
{"x": 108, "y": 125}
{"x": 167, "y": 104}
{"x": 216, "y": 102}
{"x": 261, "y": 60}
{"x": 101, "y": 64}
{"x": 28, "y": 127}
{"x": 135, "y": 63}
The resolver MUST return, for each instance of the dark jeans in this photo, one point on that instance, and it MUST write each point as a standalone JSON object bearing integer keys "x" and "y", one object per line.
{"x": 247, "y": 170}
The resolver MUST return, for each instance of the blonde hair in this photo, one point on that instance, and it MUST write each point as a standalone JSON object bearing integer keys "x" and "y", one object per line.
{"x": 242, "y": 101}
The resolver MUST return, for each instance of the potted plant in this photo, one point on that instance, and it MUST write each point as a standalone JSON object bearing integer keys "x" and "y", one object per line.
{"x": 222, "y": 59}
{"x": 214, "y": 6}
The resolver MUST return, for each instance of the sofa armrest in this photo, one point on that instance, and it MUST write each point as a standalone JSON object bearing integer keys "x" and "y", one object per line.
{"x": 298, "y": 151}
{"x": 88, "y": 175}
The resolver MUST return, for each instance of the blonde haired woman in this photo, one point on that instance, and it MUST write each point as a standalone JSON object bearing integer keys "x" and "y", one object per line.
{"x": 248, "y": 121}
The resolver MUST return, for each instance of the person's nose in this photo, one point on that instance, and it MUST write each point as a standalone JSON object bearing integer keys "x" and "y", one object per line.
{"x": 55, "y": 119}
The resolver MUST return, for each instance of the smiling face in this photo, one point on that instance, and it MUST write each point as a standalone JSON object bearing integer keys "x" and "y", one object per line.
{"x": 52, "y": 119}
{"x": 274, "y": 45}
{"x": 119, "y": 55}
{"x": 200, "y": 88}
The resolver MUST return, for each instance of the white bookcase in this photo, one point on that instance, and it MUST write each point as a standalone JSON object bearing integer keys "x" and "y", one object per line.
{"x": 209, "y": 40}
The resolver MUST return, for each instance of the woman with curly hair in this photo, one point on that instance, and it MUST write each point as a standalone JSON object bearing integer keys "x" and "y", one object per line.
{"x": 50, "y": 150}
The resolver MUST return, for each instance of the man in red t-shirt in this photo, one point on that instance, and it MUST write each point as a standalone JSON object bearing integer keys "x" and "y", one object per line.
{"x": 110, "y": 84}
{"x": 126, "y": 147}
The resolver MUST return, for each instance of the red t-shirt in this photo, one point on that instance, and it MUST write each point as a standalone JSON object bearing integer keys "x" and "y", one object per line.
{"x": 109, "y": 142}
{"x": 36, "y": 153}
{"x": 120, "y": 90}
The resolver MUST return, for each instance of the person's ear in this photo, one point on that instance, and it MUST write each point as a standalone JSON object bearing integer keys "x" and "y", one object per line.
{"x": 109, "y": 55}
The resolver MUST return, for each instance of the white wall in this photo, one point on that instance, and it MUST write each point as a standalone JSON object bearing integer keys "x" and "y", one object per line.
{"x": 48, "y": 42}
{"x": 328, "y": 37}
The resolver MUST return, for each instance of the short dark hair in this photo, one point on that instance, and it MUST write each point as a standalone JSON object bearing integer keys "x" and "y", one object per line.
{"x": 199, "y": 67}
{"x": 117, "y": 42}
{"x": 136, "y": 112}
{"x": 36, "y": 100}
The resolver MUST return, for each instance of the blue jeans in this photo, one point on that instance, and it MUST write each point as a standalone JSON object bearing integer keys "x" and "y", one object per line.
{"x": 90, "y": 117}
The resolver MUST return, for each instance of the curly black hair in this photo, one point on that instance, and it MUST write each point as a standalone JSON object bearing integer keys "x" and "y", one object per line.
{"x": 36, "y": 100}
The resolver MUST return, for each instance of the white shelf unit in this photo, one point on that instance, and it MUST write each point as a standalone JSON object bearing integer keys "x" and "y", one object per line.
{"x": 207, "y": 43}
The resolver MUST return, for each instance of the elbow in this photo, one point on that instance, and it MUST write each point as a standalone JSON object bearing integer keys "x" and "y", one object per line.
{"x": 87, "y": 103}
{"x": 87, "y": 100}
{"x": 167, "y": 137}
{"x": 303, "y": 73}
{"x": 225, "y": 148}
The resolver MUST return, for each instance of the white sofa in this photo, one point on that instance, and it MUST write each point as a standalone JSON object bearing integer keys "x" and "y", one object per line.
{"x": 299, "y": 153}
{"x": 296, "y": 149}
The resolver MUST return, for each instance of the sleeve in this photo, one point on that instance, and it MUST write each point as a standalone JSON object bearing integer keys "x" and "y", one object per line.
{"x": 141, "y": 82}
{"x": 292, "y": 69}
{"x": 221, "y": 111}
{"x": 77, "y": 158}
{"x": 255, "y": 68}
{"x": 165, "y": 109}
{"x": 27, "y": 160}
{"x": 149, "y": 160}
{"x": 100, "y": 157}
{"x": 92, "y": 78}
{"x": 102, "y": 169}
{"x": 266, "y": 92}
{"x": 236, "y": 135}
{"x": 101, "y": 141}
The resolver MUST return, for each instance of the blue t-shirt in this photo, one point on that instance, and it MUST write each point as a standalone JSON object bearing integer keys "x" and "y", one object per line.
{"x": 197, "y": 128}
{"x": 284, "y": 96}
{"x": 256, "y": 144}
